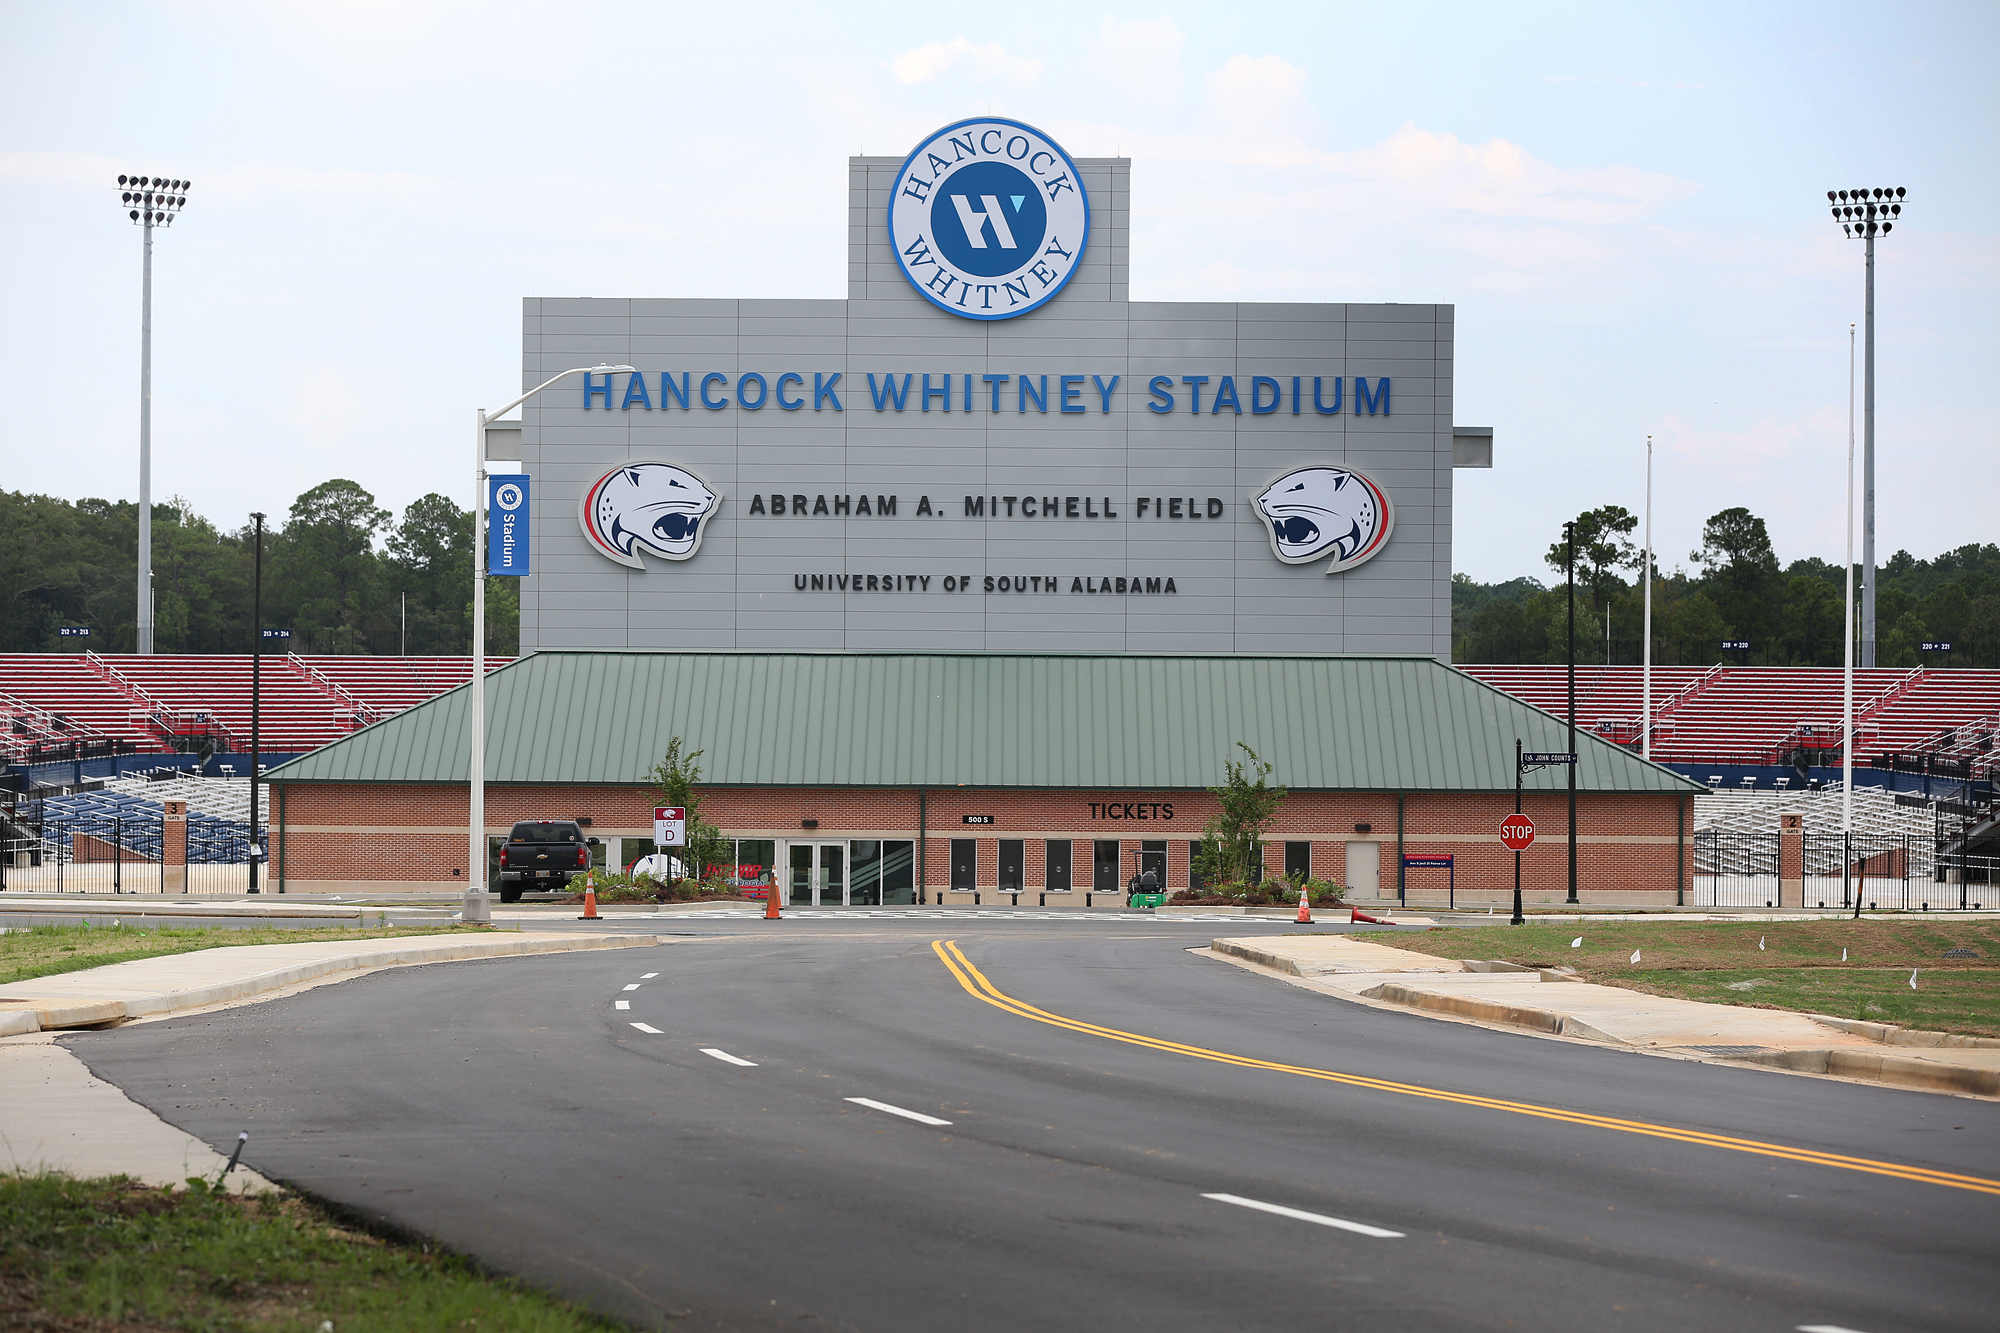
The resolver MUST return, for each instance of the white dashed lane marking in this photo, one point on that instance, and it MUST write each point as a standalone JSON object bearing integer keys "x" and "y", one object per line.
{"x": 727, "y": 1058}
{"x": 647, "y": 976}
{"x": 645, "y": 1028}
{"x": 633, "y": 986}
{"x": 917, "y": 1116}
{"x": 1299, "y": 1215}
{"x": 622, "y": 1004}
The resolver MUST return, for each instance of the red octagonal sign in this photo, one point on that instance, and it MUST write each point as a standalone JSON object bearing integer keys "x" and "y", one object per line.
{"x": 1518, "y": 832}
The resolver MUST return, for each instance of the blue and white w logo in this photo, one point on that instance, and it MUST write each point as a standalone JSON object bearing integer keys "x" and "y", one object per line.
{"x": 976, "y": 220}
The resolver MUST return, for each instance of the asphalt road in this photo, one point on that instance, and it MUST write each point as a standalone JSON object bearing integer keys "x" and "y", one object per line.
{"x": 510, "y": 1109}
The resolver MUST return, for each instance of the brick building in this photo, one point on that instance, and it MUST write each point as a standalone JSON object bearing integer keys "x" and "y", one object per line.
{"x": 878, "y": 778}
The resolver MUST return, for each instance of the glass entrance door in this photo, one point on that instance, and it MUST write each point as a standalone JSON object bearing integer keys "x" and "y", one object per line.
{"x": 818, "y": 874}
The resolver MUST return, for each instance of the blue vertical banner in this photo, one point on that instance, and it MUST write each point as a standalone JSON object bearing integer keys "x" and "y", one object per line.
{"x": 507, "y": 525}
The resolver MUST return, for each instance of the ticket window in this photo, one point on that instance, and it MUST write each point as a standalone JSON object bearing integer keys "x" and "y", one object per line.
{"x": 1104, "y": 867}
{"x": 964, "y": 864}
{"x": 1057, "y": 866}
{"x": 1153, "y": 857}
{"x": 1298, "y": 861}
{"x": 1195, "y": 881}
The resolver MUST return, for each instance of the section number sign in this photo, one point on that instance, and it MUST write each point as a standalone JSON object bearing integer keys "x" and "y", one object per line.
{"x": 669, "y": 826}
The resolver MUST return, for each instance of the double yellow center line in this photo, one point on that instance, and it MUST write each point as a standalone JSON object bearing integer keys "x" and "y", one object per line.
{"x": 976, "y": 984}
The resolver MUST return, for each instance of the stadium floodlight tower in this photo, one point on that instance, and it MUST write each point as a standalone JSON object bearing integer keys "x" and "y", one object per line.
{"x": 1863, "y": 215}
{"x": 150, "y": 201}
{"x": 478, "y": 905}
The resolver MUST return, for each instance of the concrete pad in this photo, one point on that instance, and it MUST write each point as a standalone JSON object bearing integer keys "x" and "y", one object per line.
{"x": 1322, "y": 955}
{"x": 55, "y": 1116}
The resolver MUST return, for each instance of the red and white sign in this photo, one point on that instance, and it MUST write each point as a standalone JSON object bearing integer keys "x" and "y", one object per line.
{"x": 669, "y": 826}
{"x": 1517, "y": 832}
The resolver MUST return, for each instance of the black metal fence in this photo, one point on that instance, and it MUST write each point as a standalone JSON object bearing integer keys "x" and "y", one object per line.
{"x": 124, "y": 854}
{"x": 1885, "y": 872}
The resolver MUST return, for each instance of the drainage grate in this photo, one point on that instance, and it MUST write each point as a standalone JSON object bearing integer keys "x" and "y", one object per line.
{"x": 1961, "y": 953}
{"x": 1728, "y": 1050}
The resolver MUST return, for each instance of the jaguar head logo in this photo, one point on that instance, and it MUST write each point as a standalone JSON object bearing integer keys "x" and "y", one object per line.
{"x": 648, "y": 506}
{"x": 1319, "y": 511}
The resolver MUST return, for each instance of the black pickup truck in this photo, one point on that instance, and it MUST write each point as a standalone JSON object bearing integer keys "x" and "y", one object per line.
{"x": 542, "y": 853}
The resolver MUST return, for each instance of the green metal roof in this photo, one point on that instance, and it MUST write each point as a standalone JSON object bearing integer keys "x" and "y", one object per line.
{"x": 982, "y": 720}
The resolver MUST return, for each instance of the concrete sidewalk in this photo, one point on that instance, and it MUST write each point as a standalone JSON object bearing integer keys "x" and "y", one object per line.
{"x": 183, "y": 981}
{"x": 1555, "y": 1004}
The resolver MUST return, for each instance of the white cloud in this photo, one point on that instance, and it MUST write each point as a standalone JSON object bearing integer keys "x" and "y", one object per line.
{"x": 1261, "y": 102}
{"x": 1141, "y": 59}
{"x": 927, "y": 62}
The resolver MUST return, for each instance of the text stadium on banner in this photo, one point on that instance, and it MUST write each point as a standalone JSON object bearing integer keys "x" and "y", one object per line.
{"x": 507, "y": 525}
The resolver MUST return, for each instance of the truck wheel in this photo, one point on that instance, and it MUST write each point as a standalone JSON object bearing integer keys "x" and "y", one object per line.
{"x": 510, "y": 893}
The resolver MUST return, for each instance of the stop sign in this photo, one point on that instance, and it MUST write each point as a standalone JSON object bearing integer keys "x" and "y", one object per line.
{"x": 1517, "y": 832}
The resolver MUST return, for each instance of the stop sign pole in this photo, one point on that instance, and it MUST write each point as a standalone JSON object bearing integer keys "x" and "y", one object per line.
{"x": 1518, "y": 833}
{"x": 1518, "y": 918}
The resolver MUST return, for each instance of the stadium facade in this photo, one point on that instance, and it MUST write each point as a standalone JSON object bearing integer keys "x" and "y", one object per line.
{"x": 985, "y": 541}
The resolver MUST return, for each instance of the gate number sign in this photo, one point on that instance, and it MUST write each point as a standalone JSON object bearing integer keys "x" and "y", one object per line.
{"x": 1517, "y": 832}
{"x": 669, "y": 826}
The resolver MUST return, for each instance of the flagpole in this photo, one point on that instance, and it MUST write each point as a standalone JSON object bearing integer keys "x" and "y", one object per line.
{"x": 1646, "y": 687}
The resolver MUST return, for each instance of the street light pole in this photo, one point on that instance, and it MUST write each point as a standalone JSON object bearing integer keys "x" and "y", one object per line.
{"x": 149, "y": 201}
{"x": 1847, "y": 661}
{"x": 256, "y": 689}
{"x": 478, "y": 904}
{"x": 1863, "y": 215}
{"x": 1569, "y": 578}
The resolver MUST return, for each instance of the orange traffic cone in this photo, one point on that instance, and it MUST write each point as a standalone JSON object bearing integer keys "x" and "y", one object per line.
{"x": 1305, "y": 915}
{"x": 771, "y": 904}
{"x": 1359, "y": 915}
{"x": 589, "y": 901}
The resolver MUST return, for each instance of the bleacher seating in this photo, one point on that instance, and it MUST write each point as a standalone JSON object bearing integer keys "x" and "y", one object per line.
{"x": 179, "y": 701}
{"x": 1758, "y": 714}
{"x": 1876, "y": 812}
{"x": 222, "y": 798}
{"x": 1753, "y": 715}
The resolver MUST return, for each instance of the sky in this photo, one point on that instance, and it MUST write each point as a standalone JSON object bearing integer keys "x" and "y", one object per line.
{"x": 1625, "y": 203}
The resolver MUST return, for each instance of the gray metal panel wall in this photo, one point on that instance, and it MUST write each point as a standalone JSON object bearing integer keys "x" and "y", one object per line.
{"x": 1231, "y": 594}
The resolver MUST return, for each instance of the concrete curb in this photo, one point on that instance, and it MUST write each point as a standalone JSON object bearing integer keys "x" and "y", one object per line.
{"x": 1262, "y": 958}
{"x": 1891, "y": 1035}
{"x": 1907, "y": 1071}
{"x": 48, "y": 1012}
{"x": 1490, "y": 1011}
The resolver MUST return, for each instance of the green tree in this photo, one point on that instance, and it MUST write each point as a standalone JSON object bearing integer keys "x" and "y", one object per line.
{"x": 430, "y": 563}
{"x": 1694, "y": 630}
{"x": 1901, "y": 645}
{"x": 1811, "y": 622}
{"x": 1740, "y": 573}
{"x": 1602, "y": 545}
{"x": 675, "y": 782}
{"x": 1231, "y": 841}
{"x": 329, "y": 567}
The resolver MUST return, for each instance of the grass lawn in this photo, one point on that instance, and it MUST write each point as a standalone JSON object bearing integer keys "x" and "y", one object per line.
{"x": 1799, "y": 966}
{"x": 111, "y": 1256}
{"x": 42, "y": 951}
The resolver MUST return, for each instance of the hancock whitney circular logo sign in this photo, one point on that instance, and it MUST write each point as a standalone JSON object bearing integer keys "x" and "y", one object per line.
{"x": 989, "y": 218}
